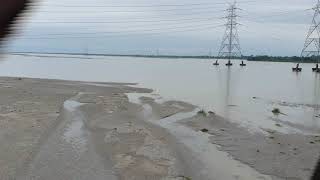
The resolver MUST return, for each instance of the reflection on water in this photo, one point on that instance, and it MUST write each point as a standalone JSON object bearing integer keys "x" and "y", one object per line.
{"x": 245, "y": 95}
{"x": 316, "y": 98}
{"x": 227, "y": 102}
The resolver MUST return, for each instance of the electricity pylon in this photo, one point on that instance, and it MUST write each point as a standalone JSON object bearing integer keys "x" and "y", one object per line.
{"x": 230, "y": 46}
{"x": 312, "y": 43}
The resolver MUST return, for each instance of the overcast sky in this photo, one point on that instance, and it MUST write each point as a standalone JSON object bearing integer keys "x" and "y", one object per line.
{"x": 183, "y": 27}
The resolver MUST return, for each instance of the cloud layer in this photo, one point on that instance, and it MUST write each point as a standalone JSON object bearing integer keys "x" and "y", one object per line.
{"x": 172, "y": 27}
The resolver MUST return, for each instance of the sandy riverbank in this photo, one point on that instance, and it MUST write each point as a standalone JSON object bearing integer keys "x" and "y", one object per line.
{"x": 53, "y": 129}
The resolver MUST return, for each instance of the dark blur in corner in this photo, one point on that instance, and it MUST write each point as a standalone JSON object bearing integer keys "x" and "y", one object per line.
{"x": 10, "y": 10}
{"x": 316, "y": 175}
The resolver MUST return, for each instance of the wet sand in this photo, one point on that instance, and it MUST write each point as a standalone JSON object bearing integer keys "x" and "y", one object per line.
{"x": 53, "y": 129}
{"x": 283, "y": 156}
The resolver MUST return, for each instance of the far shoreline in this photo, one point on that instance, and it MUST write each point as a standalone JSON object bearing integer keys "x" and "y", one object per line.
{"x": 258, "y": 58}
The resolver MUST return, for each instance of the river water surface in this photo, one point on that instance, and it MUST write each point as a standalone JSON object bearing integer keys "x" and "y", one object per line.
{"x": 246, "y": 95}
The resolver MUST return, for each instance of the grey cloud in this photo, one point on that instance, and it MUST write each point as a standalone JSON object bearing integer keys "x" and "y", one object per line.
{"x": 267, "y": 25}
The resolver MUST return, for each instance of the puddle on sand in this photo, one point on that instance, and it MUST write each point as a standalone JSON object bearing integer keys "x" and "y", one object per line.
{"x": 74, "y": 133}
{"x": 213, "y": 163}
{"x": 250, "y": 126}
{"x": 100, "y": 84}
{"x": 70, "y": 105}
{"x": 135, "y": 97}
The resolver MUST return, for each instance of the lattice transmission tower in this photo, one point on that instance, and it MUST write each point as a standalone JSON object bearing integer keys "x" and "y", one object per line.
{"x": 312, "y": 43}
{"x": 230, "y": 46}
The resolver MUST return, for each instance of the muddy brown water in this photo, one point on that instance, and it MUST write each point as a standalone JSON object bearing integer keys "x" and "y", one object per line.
{"x": 246, "y": 95}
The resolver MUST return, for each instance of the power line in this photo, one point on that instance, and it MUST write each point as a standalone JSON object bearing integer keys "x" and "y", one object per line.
{"x": 145, "y": 32}
{"x": 143, "y": 16}
{"x": 138, "y": 20}
{"x": 279, "y": 13}
{"x": 273, "y": 36}
{"x": 125, "y": 11}
{"x": 140, "y": 14}
{"x": 119, "y": 22}
{"x": 126, "y": 19}
{"x": 153, "y": 5}
{"x": 132, "y": 6}
{"x": 131, "y": 31}
{"x": 208, "y": 6}
{"x": 135, "y": 30}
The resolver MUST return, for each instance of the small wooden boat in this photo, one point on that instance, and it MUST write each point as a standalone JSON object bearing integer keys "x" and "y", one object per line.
{"x": 297, "y": 68}
{"x": 316, "y": 69}
{"x": 216, "y": 63}
{"x": 242, "y": 64}
{"x": 229, "y": 63}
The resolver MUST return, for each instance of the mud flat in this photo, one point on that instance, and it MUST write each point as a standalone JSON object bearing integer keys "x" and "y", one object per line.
{"x": 53, "y": 129}
{"x": 31, "y": 113}
{"x": 282, "y": 156}
{"x": 261, "y": 154}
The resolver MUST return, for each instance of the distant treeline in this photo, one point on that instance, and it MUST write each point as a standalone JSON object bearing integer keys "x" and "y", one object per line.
{"x": 313, "y": 59}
